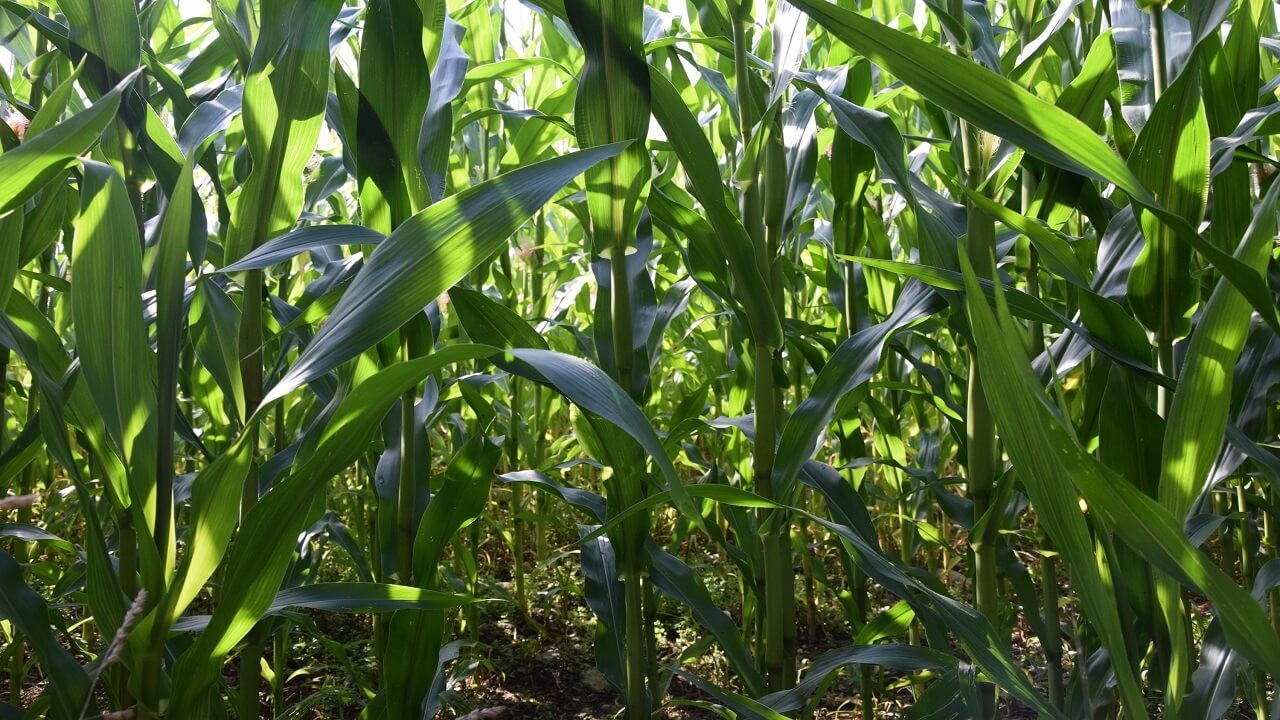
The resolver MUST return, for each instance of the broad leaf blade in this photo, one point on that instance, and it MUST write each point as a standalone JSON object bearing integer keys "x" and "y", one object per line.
{"x": 428, "y": 254}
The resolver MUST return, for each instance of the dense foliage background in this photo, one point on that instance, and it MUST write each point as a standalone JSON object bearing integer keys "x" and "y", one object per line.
{"x": 917, "y": 358}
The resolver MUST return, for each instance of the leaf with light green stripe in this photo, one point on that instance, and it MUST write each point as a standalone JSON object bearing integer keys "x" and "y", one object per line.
{"x": 347, "y": 597}
{"x": 426, "y": 255}
{"x": 106, "y": 306}
{"x": 268, "y": 534}
{"x": 613, "y": 106}
{"x": 28, "y": 167}
{"x": 170, "y": 273}
{"x": 1171, "y": 156}
{"x": 284, "y": 102}
{"x": 108, "y": 29}
{"x": 1200, "y": 408}
{"x": 393, "y": 98}
{"x": 701, "y": 168}
{"x": 1197, "y": 419}
{"x": 111, "y": 341}
{"x": 55, "y": 105}
{"x": 980, "y": 96}
{"x": 1041, "y": 446}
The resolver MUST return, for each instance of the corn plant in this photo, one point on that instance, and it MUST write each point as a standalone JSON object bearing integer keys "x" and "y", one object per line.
{"x": 918, "y": 355}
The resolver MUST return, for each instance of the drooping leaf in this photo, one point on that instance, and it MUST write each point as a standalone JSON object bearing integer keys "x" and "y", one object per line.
{"x": 27, "y": 168}
{"x": 426, "y": 255}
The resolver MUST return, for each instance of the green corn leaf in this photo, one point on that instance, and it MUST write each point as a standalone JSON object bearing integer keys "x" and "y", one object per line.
{"x": 1201, "y": 404}
{"x": 55, "y": 105}
{"x": 214, "y": 511}
{"x": 284, "y": 100}
{"x": 115, "y": 358}
{"x": 417, "y": 636}
{"x": 492, "y": 323}
{"x": 604, "y": 594}
{"x": 208, "y": 119}
{"x": 20, "y": 605}
{"x": 1038, "y": 443}
{"x": 393, "y": 99}
{"x": 347, "y": 597}
{"x": 215, "y": 325}
{"x": 283, "y": 248}
{"x": 613, "y": 106}
{"x": 699, "y": 163}
{"x": 29, "y": 167}
{"x": 170, "y": 271}
{"x": 426, "y": 255}
{"x": 436, "y": 136}
{"x": 265, "y": 543}
{"x": 107, "y": 309}
{"x": 107, "y": 30}
{"x": 980, "y": 96}
{"x": 1197, "y": 418}
{"x": 1171, "y": 157}
{"x": 10, "y": 251}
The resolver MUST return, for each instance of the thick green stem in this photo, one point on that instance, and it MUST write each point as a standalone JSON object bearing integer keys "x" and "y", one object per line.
{"x": 777, "y": 562}
{"x": 1272, "y": 545}
{"x": 980, "y": 434}
{"x": 979, "y": 424}
{"x": 17, "y": 669}
{"x": 406, "y": 499}
{"x": 279, "y": 668}
{"x": 622, "y": 334}
{"x": 1165, "y": 335}
{"x": 539, "y": 429}
{"x": 128, "y": 554}
{"x": 810, "y": 588}
{"x": 637, "y": 650}
{"x": 779, "y": 597}
{"x": 639, "y": 633}
{"x": 280, "y": 641}
{"x": 251, "y": 375}
{"x": 1159, "y": 52}
{"x": 1164, "y": 363}
{"x": 250, "y": 703}
{"x": 1052, "y": 640}
{"x": 1169, "y": 594}
{"x": 517, "y": 500}
{"x": 380, "y": 573}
